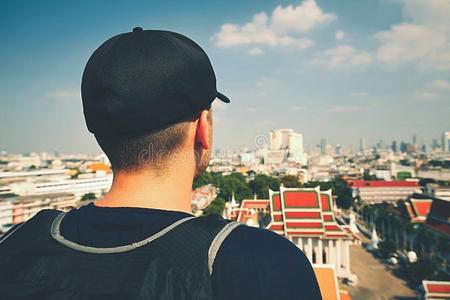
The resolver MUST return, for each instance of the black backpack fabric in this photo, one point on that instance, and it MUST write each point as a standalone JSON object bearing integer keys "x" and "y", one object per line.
{"x": 174, "y": 264}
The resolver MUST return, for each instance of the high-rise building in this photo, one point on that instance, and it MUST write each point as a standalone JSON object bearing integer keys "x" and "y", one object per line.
{"x": 279, "y": 139}
{"x": 435, "y": 144}
{"x": 362, "y": 144}
{"x": 446, "y": 141}
{"x": 323, "y": 146}
{"x": 338, "y": 149}
{"x": 394, "y": 146}
{"x": 414, "y": 139}
{"x": 286, "y": 144}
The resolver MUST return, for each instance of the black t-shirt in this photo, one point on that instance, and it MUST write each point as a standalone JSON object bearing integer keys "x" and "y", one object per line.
{"x": 252, "y": 263}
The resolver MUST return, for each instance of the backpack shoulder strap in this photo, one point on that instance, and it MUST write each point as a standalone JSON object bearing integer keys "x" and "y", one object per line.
{"x": 35, "y": 228}
{"x": 217, "y": 242}
{"x": 208, "y": 232}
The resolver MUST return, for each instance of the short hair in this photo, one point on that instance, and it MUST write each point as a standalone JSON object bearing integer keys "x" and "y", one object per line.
{"x": 147, "y": 150}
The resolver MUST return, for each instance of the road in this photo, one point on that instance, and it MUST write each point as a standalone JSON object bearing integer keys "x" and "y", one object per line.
{"x": 375, "y": 280}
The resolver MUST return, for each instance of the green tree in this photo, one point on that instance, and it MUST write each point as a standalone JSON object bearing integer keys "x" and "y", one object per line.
{"x": 235, "y": 183}
{"x": 261, "y": 184}
{"x": 290, "y": 181}
{"x": 214, "y": 178}
{"x": 216, "y": 207}
{"x": 88, "y": 196}
{"x": 344, "y": 201}
{"x": 386, "y": 248}
{"x": 425, "y": 268}
{"x": 203, "y": 179}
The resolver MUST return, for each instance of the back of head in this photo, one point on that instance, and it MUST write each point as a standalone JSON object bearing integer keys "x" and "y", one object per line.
{"x": 152, "y": 150}
{"x": 142, "y": 91}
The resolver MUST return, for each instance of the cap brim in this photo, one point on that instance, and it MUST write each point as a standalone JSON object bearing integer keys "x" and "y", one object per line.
{"x": 223, "y": 97}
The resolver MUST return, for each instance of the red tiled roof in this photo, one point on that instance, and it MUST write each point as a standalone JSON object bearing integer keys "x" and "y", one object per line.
{"x": 381, "y": 183}
{"x": 257, "y": 204}
{"x": 276, "y": 214}
{"x": 303, "y": 214}
{"x": 436, "y": 289}
{"x": 276, "y": 202}
{"x": 278, "y": 217}
{"x": 303, "y": 199}
{"x": 326, "y": 202}
{"x": 304, "y": 224}
{"x": 275, "y": 227}
{"x": 332, "y": 229}
{"x": 421, "y": 207}
{"x": 245, "y": 212}
{"x": 297, "y": 202}
{"x": 328, "y": 218}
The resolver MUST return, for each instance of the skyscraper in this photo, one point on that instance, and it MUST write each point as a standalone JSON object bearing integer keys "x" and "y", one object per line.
{"x": 279, "y": 138}
{"x": 286, "y": 144}
{"x": 394, "y": 146}
{"x": 362, "y": 144}
{"x": 446, "y": 141}
{"x": 323, "y": 146}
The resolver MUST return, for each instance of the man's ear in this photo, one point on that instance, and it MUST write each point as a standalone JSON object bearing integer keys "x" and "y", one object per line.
{"x": 204, "y": 127}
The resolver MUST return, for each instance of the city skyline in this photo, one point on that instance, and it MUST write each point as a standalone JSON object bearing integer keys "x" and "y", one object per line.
{"x": 329, "y": 71}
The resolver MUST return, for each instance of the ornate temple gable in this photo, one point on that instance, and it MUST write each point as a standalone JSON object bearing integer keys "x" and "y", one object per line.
{"x": 421, "y": 208}
{"x": 332, "y": 228}
{"x": 276, "y": 214}
{"x": 302, "y": 212}
{"x": 250, "y": 208}
{"x": 436, "y": 289}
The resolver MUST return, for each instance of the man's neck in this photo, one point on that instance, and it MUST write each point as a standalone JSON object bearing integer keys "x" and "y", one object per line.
{"x": 168, "y": 191}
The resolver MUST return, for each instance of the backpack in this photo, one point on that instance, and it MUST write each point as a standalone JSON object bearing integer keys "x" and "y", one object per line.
{"x": 37, "y": 262}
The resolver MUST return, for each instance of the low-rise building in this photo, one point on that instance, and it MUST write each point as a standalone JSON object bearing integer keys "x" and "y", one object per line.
{"x": 19, "y": 209}
{"x": 378, "y": 191}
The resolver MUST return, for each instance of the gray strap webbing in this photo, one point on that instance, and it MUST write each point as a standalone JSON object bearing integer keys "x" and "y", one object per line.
{"x": 56, "y": 234}
{"x": 217, "y": 242}
{"x": 9, "y": 233}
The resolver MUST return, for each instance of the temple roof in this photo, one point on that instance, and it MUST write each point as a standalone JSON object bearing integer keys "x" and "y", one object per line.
{"x": 436, "y": 289}
{"x": 295, "y": 212}
{"x": 249, "y": 208}
{"x": 302, "y": 212}
{"x": 328, "y": 284}
{"x": 276, "y": 213}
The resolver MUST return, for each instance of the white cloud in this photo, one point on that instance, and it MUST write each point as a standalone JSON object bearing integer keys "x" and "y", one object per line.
{"x": 251, "y": 109}
{"x": 425, "y": 40}
{"x": 432, "y": 91}
{"x": 432, "y": 12}
{"x": 428, "y": 95}
{"x": 348, "y": 109}
{"x": 66, "y": 93}
{"x": 409, "y": 42}
{"x": 300, "y": 18}
{"x": 298, "y": 108}
{"x": 256, "y": 51}
{"x": 342, "y": 56}
{"x": 441, "y": 84}
{"x": 340, "y": 35}
{"x": 282, "y": 29}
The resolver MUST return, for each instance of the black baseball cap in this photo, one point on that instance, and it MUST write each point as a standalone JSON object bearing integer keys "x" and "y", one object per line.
{"x": 145, "y": 80}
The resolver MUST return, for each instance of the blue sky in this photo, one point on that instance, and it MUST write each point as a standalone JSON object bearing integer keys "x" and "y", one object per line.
{"x": 329, "y": 69}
